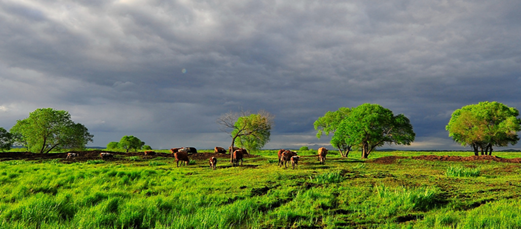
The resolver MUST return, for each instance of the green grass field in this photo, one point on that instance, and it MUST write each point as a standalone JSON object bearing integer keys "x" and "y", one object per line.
{"x": 344, "y": 193}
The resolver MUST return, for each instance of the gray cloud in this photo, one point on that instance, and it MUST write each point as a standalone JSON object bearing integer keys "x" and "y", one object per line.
{"x": 117, "y": 66}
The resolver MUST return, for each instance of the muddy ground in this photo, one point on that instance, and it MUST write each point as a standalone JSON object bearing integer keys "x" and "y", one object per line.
{"x": 95, "y": 155}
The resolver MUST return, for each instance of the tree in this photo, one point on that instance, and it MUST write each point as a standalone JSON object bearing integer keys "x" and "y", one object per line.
{"x": 251, "y": 130}
{"x": 370, "y": 125}
{"x": 113, "y": 145}
{"x": 147, "y": 147}
{"x": 130, "y": 142}
{"x": 329, "y": 123}
{"x": 6, "y": 139}
{"x": 47, "y": 130}
{"x": 484, "y": 125}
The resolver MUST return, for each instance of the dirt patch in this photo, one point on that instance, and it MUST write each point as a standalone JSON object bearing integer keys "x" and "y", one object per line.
{"x": 392, "y": 159}
{"x": 95, "y": 155}
{"x": 386, "y": 160}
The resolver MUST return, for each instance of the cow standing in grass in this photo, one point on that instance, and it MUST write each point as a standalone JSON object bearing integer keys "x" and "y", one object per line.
{"x": 238, "y": 155}
{"x": 281, "y": 151}
{"x": 182, "y": 156}
{"x": 71, "y": 155}
{"x": 219, "y": 150}
{"x": 213, "y": 162}
{"x": 294, "y": 161}
{"x": 106, "y": 155}
{"x": 286, "y": 157}
{"x": 174, "y": 150}
{"x": 322, "y": 153}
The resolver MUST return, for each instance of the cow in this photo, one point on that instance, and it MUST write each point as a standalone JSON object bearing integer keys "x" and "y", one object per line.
{"x": 232, "y": 150}
{"x": 106, "y": 155}
{"x": 190, "y": 150}
{"x": 71, "y": 155}
{"x": 322, "y": 152}
{"x": 213, "y": 162}
{"x": 174, "y": 150}
{"x": 279, "y": 154}
{"x": 286, "y": 157}
{"x": 237, "y": 155}
{"x": 219, "y": 150}
{"x": 149, "y": 153}
{"x": 294, "y": 161}
{"x": 181, "y": 155}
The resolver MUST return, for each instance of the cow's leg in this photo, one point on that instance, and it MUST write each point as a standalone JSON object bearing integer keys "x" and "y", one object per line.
{"x": 177, "y": 163}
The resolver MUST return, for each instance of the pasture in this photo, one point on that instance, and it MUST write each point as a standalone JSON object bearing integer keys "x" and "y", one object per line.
{"x": 389, "y": 190}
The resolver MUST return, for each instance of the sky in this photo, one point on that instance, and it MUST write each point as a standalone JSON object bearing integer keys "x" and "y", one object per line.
{"x": 165, "y": 71}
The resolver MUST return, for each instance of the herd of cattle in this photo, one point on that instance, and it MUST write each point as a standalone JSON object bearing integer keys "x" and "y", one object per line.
{"x": 181, "y": 155}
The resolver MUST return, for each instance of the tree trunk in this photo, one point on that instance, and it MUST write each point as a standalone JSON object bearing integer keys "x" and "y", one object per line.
{"x": 231, "y": 148}
{"x": 475, "y": 147}
{"x": 365, "y": 150}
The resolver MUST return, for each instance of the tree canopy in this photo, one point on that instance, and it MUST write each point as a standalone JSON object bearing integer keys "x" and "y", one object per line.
{"x": 6, "y": 139}
{"x": 484, "y": 125}
{"x": 47, "y": 130}
{"x": 130, "y": 142}
{"x": 251, "y": 131}
{"x": 370, "y": 125}
{"x": 328, "y": 124}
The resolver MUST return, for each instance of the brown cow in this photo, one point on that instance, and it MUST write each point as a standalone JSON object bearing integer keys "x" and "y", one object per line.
{"x": 286, "y": 157}
{"x": 322, "y": 153}
{"x": 219, "y": 150}
{"x": 213, "y": 162}
{"x": 174, "y": 150}
{"x": 106, "y": 155}
{"x": 149, "y": 153}
{"x": 237, "y": 155}
{"x": 280, "y": 154}
{"x": 232, "y": 150}
{"x": 181, "y": 155}
{"x": 71, "y": 155}
{"x": 294, "y": 161}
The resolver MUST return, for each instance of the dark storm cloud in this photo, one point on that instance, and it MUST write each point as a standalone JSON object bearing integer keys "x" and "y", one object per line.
{"x": 166, "y": 70}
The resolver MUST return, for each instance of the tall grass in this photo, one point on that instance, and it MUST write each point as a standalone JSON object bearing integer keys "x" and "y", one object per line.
{"x": 462, "y": 172}
{"x": 329, "y": 177}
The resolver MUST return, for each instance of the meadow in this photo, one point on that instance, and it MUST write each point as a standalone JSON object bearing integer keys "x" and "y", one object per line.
{"x": 141, "y": 192}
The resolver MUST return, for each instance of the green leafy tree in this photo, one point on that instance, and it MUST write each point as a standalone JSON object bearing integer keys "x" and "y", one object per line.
{"x": 147, "y": 147}
{"x": 113, "y": 145}
{"x": 484, "y": 125}
{"x": 130, "y": 142}
{"x": 251, "y": 131}
{"x": 6, "y": 139}
{"x": 328, "y": 124}
{"x": 370, "y": 125}
{"x": 47, "y": 130}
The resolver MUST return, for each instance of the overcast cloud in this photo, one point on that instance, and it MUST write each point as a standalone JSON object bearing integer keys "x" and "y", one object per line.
{"x": 164, "y": 71}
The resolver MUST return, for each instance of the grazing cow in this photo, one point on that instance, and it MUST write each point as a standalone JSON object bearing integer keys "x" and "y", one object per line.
{"x": 280, "y": 154}
{"x": 294, "y": 161}
{"x": 286, "y": 157}
{"x": 181, "y": 155}
{"x": 174, "y": 150}
{"x": 106, "y": 155}
{"x": 213, "y": 162}
{"x": 71, "y": 155}
{"x": 237, "y": 155}
{"x": 219, "y": 150}
{"x": 322, "y": 152}
{"x": 232, "y": 150}
{"x": 190, "y": 150}
{"x": 150, "y": 153}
